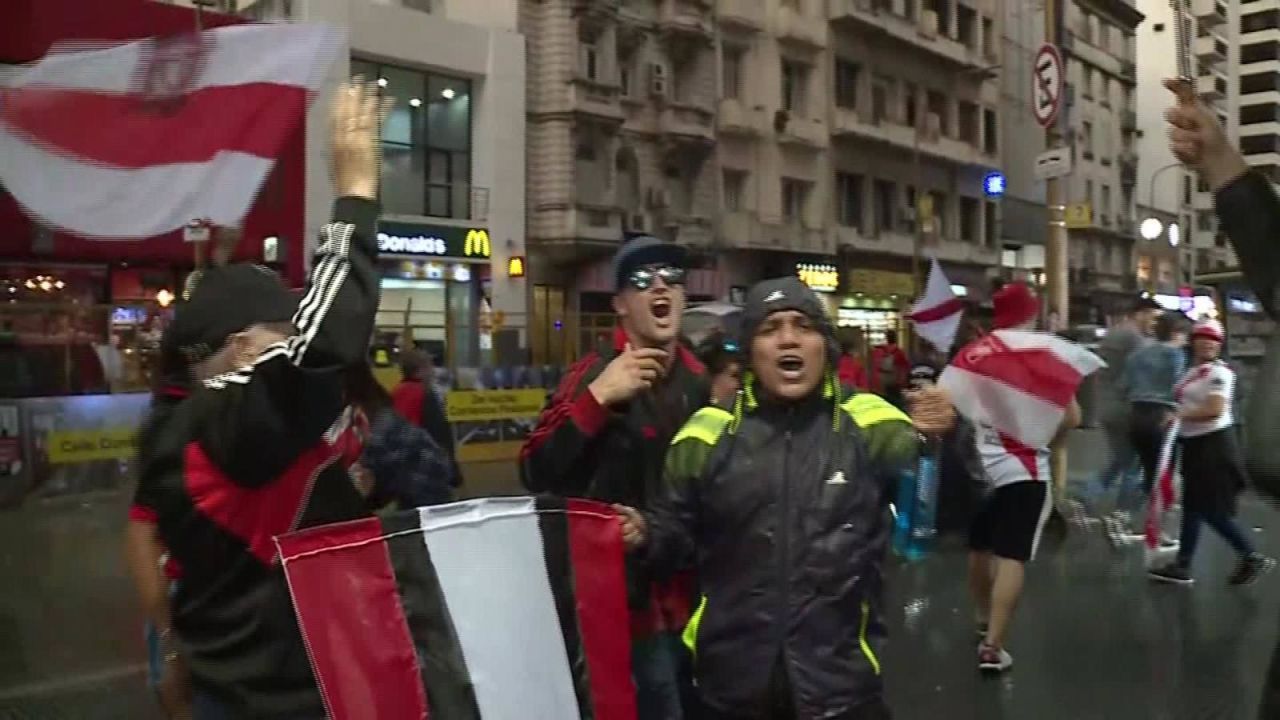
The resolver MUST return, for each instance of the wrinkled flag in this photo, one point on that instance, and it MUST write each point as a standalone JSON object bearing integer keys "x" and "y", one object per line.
{"x": 937, "y": 315}
{"x": 492, "y": 609}
{"x": 137, "y": 139}
{"x": 1019, "y": 382}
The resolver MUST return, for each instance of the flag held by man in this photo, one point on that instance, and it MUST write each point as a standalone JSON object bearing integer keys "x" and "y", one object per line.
{"x": 1019, "y": 382}
{"x": 493, "y": 609}
{"x": 135, "y": 139}
{"x": 937, "y": 314}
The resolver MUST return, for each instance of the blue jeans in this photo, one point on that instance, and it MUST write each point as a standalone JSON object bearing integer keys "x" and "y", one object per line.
{"x": 655, "y": 662}
{"x": 1124, "y": 466}
{"x": 1224, "y": 525}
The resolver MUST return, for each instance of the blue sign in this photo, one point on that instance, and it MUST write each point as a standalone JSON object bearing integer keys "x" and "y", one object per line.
{"x": 993, "y": 184}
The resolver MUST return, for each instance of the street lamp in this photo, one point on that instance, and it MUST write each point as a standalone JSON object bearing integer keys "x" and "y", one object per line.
{"x": 1151, "y": 228}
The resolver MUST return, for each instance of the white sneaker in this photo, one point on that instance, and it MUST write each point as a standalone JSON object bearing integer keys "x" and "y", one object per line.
{"x": 993, "y": 659}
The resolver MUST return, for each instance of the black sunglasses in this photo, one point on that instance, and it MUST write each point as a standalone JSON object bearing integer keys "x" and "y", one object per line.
{"x": 642, "y": 277}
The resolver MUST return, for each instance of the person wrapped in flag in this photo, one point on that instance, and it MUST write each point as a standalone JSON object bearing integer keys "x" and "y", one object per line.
{"x": 781, "y": 500}
{"x": 1212, "y": 469}
{"x": 1018, "y": 389}
{"x": 262, "y": 447}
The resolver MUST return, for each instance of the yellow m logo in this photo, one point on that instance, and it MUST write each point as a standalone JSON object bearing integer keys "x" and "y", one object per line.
{"x": 477, "y": 244}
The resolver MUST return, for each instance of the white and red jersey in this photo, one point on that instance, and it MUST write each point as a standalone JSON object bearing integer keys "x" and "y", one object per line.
{"x": 1006, "y": 461}
{"x": 1197, "y": 386}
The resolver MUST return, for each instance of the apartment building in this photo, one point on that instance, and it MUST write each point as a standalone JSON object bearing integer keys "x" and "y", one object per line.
{"x": 453, "y": 164}
{"x": 1101, "y": 123}
{"x": 771, "y": 136}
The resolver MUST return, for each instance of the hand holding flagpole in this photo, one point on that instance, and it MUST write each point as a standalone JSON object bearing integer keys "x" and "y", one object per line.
{"x": 355, "y": 132}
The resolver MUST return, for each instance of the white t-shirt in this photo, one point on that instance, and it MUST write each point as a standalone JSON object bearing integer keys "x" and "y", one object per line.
{"x": 1006, "y": 461}
{"x": 1195, "y": 388}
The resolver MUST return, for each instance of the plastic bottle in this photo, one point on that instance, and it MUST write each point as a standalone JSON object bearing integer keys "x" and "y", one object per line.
{"x": 904, "y": 508}
{"x": 924, "y": 514}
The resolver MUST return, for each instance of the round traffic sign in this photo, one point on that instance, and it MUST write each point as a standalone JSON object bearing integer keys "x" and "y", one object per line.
{"x": 1046, "y": 84}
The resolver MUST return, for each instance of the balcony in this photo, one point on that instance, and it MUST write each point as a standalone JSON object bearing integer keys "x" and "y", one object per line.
{"x": 681, "y": 21}
{"x": 1210, "y": 49}
{"x": 1209, "y": 12}
{"x": 1211, "y": 86}
{"x": 735, "y": 118}
{"x": 595, "y": 12}
{"x": 850, "y": 124}
{"x": 597, "y": 223}
{"x": 684, "y": 124}
{"x": 802, "y": 132}
{"x": 744, "y": 14}
{"x": 799, "y": 29}
{"x": 596, "y": 99}
{"x": 691, "y": 230}
{"x": 921, "y": 33}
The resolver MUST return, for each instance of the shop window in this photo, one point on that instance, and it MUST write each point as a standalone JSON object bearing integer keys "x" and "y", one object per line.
{"x": 426, "y": 141}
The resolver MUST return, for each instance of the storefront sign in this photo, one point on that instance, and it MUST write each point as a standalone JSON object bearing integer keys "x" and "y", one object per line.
{"x": 77, "y": 446}
{"x": 396, "y": 238}
{"x": 482, "y": 405}
{"x": 880, "y": 282}
{"x": 820, "y": 277}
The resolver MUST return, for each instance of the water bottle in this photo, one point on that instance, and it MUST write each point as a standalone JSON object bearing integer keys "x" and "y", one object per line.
{"x": 904, "y": 508}
{"x": 924, "y": 515}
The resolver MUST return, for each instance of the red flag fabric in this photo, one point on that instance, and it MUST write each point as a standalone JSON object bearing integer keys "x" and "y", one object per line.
{"x": 1019, "y": 382}
{"x": 137, "y": 139}
{"x": 937, "y": 314}
{"x": 492, "y": 609}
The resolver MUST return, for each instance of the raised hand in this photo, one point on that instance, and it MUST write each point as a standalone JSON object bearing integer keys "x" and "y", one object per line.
{"x": 629, "y": 374}
{"x": 355, "y": 132}
{"x": 1197, "y": 138}
{"x": 931, "y": 410}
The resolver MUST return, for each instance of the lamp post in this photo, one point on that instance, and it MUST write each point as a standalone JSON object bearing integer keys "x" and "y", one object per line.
{"x": 1152, "y": 227}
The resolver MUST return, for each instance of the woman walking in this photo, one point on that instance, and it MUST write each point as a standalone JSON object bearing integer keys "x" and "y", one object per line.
{"x": 1212, "y": 471}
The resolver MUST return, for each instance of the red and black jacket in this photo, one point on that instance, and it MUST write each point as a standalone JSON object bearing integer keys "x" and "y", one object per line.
{"x": 257, "y": 453}
{"x": 580, "y": 448}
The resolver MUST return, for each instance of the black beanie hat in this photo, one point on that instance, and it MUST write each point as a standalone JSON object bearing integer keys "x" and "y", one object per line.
{"x": 785, "y": 293}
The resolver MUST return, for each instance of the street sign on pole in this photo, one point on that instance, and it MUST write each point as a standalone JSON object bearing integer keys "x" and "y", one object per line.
{"x": 1078, "y": 216}
{"x": 1046, "y": 84}
{"x": 1053, "y": 163}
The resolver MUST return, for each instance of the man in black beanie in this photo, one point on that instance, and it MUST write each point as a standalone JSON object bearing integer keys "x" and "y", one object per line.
{"x": 262, "y": 446}
{"x": 782, "y": 501}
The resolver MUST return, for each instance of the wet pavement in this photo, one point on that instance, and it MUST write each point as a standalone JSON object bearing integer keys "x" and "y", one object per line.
{"x": 1093, "y": 639}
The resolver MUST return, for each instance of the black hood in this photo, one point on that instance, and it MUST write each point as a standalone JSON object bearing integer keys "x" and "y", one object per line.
{"x": 785, "y": 293}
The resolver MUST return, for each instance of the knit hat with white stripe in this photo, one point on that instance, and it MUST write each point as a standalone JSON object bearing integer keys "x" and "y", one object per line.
{"x": 225, "y": 301}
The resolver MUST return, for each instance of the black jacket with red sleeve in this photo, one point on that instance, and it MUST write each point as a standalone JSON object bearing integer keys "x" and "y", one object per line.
{"x": 257, "y": 453}
{"x": 614, "y": 454}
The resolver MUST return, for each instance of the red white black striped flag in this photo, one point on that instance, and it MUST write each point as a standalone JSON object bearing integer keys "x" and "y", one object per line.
{"x": 493, "y": 609}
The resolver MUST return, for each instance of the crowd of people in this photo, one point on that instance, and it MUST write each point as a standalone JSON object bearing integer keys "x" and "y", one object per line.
{"x": 751, "y": 475}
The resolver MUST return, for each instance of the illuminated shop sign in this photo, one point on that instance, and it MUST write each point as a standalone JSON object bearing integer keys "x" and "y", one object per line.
{"x": 819, "y": 276}
{"x": 397, "y": 238}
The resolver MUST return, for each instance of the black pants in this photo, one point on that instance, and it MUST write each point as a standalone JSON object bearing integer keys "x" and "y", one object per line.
{"x": 1147, "y": 431}
{"x": 780, "y": 705}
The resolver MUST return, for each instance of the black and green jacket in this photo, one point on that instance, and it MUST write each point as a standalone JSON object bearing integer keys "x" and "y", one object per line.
{"x": 783, "y": 509}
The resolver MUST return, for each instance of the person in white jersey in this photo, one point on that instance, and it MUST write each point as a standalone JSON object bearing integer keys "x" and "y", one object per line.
{"x": 1212, "y": 471}
{"x": 1006, "y": 529}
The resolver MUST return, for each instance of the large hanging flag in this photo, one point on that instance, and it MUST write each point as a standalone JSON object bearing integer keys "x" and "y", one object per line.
{"x": 138, "y": 139}
{"x": 1019, "y": 382}
{"x": 493, "y": 609}
{"x": 937, "y": 314}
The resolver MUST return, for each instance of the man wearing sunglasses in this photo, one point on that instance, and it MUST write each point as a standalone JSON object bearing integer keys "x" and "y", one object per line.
{"x": 604, "y": 435}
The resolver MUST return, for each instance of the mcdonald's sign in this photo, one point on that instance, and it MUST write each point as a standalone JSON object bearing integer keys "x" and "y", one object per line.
{"x": 477, "y": 244}
{"x": 443, "y": 241}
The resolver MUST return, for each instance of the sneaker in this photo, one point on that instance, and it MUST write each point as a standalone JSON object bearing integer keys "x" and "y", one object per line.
{"x": 1174, "y": 572}
{"x": 1252, "y": 568}
{"x": 1168, "y": 543}
{"x": 1115, "y": 530}
{"x": 993, "y": 659}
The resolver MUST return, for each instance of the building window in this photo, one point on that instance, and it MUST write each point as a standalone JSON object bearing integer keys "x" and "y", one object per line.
{"x": 1086, "y": 80}
{"x": 795, "y": 194}
{"x": 1259, "y": 82}
{"x": 939, "y": 214}
{"x": 967, "y": 26}
{"x": 589, "y": 61}
{"x": 1267, "y": 112}
{"x": 1265, "y": 20}
{"x": 1106, "y": 203}
{"x": 910, "y": 93}
{"x": 849, "y": 195}
{"x": 735, "y": 182}
{"x": 969, "y": 218}
{"x": 1259, "y": 52}
{"x": 426, "y": 142}
{"x": 1104, "y": 96}
{"x": 937, "y": 103}
{"x": 990, "y": 132}
{"x": 1258, "y": 144}
{"x": 884, "y": 192}
{"x": 624, "y": 78}
{"x": 795, "y": 77}
{"x": 1186, "y": 190}
{"x": 970, "y": 116}
{"x": 731, "y": 77}
{"x": 1204, "y": 221}
{"x": 1088, "y": 192}
{"x": 1086, "y": 139}
{"x": 846, "y": 79}
{"x": 988, "y": 37}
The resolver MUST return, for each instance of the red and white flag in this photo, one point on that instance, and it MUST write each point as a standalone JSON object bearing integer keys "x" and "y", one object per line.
{"x": 137, "y": 139}
{"x": 1019, "y": 382}
{"x": 493, "y": 609}
{"x": 937, "y": 315}
{"x": 1163, "y": 495}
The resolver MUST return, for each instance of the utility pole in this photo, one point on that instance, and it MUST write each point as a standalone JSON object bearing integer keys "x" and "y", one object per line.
{"x": 1056, "y": 275}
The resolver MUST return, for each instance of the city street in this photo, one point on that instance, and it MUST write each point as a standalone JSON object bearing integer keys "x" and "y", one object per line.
{"x": 1093, "y": 639}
